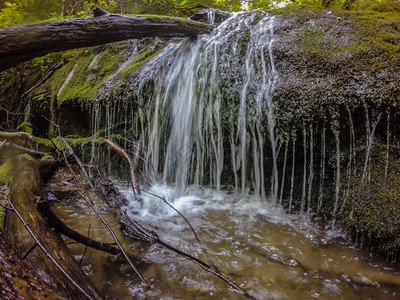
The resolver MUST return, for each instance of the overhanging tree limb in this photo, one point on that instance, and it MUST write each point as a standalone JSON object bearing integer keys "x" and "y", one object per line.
{"x": 24, "y": 42}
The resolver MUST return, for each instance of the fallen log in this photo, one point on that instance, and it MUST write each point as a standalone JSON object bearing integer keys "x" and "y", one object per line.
{"x": 56, "y": 263}
{"x": 17, "y": 280}
{"x": 26, "y": 190}
{"x": 24, "y": 42}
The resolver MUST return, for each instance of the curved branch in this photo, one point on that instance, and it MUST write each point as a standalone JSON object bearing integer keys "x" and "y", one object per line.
{"x": 124, "y": 154}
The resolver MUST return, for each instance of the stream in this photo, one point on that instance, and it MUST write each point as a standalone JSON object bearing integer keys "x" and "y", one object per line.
{"x": 269, "y": 253}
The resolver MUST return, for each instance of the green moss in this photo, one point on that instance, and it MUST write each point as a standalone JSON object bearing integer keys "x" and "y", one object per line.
{"x": 373, "y": 210}
{"x": 344, "y": 5}
{"x": 5, "y": 197}
{"x": 159, "y": 17}
{"x": 379, "y": 35}
{"x": 25, "y": 156}
{"x": 5, "y": 170}
{"x": 376, "y": 41}
{"x": 139, "y": 61}
{"x": 373, "y": 5}
{"x": 85, "y": 72}
{"x": 80, "y": 142}
{"x": 46, "y": 143}
{"x": 305, "y": 5}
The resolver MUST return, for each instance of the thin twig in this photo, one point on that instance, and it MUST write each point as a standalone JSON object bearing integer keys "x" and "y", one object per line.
{"x": 86, "y": 247}
{"x": 177, "y": 211}
{"x": 77, "y": 160}
{"x": 136, "y": 187}
{"x": 29, "y": 251}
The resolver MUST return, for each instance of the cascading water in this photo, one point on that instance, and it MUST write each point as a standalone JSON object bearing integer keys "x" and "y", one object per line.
{"x": 189, "y": 110}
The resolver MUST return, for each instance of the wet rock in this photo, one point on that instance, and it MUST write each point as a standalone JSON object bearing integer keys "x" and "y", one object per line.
{"x": 211, "y": 16}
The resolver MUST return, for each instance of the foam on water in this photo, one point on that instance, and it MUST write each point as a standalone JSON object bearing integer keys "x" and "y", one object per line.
{"x": 200, "y": 201}
{"x": 267, "y": 250}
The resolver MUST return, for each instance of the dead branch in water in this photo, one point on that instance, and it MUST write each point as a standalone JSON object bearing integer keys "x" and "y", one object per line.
{"x": 86, "y": 247}
{"x": 61, "y": 227}
{"x": 210, "y": 269}
{"x": 135, "y": 183}
{"x": 124, "y": 154}
{"x": 154, "y": 238}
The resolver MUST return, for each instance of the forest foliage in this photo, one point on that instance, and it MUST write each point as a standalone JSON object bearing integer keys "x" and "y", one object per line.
{"x": 14, "y": 12}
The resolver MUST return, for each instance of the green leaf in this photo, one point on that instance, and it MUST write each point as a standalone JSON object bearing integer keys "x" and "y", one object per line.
{"x": 25, "y": 126}
{"x": 46, "y": 156}
{"x": 25, "y": 156}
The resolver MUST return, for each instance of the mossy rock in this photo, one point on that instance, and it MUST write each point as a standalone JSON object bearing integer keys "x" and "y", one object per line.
{"x": 373, "y": 210}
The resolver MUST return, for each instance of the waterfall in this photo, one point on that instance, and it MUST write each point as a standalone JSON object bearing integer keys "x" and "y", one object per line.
{"x": 182, "y": 128}
{"x": 292, "y": 175}
{"x": 336, "y": 132}
{"x": 387, "y": 142}
{"x": 311, "y": 170}
{"x": 303, "y": 192}
{"x": 201, "y": 111}
{"x": 284, "y": 170}
{"x": 322, "y": 166}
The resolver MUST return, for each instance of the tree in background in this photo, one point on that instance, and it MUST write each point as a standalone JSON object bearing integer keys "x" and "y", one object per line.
{"x": 13, "y": 12}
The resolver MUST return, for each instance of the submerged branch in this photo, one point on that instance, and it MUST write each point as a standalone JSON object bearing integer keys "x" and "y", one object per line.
{"x": 210, "y": 269}
{"x": 62, "y": 228}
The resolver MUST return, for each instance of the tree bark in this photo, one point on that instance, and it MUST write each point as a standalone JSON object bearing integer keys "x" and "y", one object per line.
{"x": 24, "y": 42}
{"x": 26, "y": 190}
{"x": 15, "y": 280}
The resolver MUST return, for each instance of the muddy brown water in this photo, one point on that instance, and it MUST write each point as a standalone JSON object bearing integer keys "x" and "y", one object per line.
{"x": 268, "y": 253}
